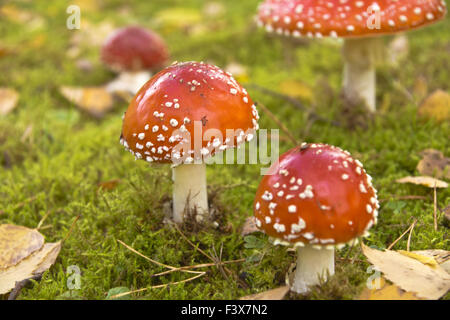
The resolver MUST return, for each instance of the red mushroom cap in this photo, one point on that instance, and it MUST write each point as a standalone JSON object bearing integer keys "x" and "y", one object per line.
{"x": 316, "y": 194}
{"x": 347, "y": 18}
{"x": 133, "y": 49}
{"x": 166, "y": 111}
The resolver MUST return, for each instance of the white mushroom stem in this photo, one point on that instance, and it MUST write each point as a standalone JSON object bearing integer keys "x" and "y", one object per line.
{"x": 312, "y": 265}
{"x": 359, "y": 71}
{"x": 189, "y": 191}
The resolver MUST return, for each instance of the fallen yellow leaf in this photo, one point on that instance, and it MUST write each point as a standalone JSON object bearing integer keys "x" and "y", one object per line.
{"x": 296, "y": 89}
{"x": 35, "y": 264}
{"x": 8, "y": 100}
{"x": 274, "y": 294}
{"x": 424, "y": 259}
{"x": 409, "y": 274}
{"x": 436, "y": 106}
{"x": 17, "y": 243}
{"x": 386, "y": 292}
{"x": 424, "y": 181}
{"x": 442, "y": 257}
{"x": 94, "y": 100}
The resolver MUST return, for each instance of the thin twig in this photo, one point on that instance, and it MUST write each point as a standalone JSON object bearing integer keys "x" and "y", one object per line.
{"x": 411, "y": 197}
{"x": 192, "y": 245}
{"x": 71, "y": 228}
{"x": 203, "y": 265}
{"x": 435, "y": 208}
{"x": 402, "y": 235}
{"x": 21, "y": 284}
{"x": 42, "y": 220}
{"x": 279, "y": 123}
{"x": 149, "y": 259}
{"x": 200, "y": 250}
{"x": 158, "y": 286}
{"x": 410, "y": 234}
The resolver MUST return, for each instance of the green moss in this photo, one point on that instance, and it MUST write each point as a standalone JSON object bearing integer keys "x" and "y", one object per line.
{"x": 59, "y": 166}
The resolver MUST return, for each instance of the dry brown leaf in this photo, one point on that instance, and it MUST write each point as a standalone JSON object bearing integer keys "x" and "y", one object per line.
{"x": 424, "y": 181}
{"x": 249, "y": 226}
{"x": 410, "y": 274}
{"x": 434, "y": 164}
{"x": 274, "y": 294}
{"x": 447, "y": 215}
{"x": 436, "y": 106}
{"x": 296, "y": 89}
{"x": 109, "y": 185}
{"x": 17, "y": 243}
{"x": 8, "y": 100}
{"x": 33, "y": 265}
{"x": 386, "y": 292}
{"x": 94, "y": 100}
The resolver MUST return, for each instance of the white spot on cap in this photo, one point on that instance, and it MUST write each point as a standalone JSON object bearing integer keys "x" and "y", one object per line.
{"x": 279, "y": 227}
{"x": 173, "y": 122}
{"x": 362, "y": 188}
{"x": 297, "y": 227}
{"x": 292, "y": 209}
{"x": 267, "y": 196}
{"x": 308, "y": 235}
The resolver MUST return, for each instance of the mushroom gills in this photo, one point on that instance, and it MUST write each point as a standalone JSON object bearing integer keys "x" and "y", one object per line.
{"x": 189, "y": 191}
{"x": 313, "y": 265}
{"x": 360, "y": 55}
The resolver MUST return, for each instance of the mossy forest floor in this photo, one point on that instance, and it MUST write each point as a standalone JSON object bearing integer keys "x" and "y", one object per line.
{"x": 53, "y": 156}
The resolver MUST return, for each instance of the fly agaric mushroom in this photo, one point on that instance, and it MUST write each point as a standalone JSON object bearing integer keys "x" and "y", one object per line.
{"x": 181, "y": 116}
{"x": 133, "y": 52}
{"x": 358, "y": 22}
{"x": 315, "y": 198}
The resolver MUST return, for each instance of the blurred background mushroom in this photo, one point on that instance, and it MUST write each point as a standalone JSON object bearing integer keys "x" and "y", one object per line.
{"x": 181, "y": 116}
{"x": 358, "y": 23}
{"x": 133, "y": 52}
{"x": 315, "y": 197}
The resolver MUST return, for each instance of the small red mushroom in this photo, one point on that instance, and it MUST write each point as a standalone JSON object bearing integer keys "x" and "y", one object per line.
{"x": 134, "y": 52}
{"x": 184, "y": 115}
{"x": 315, "y": 197}
{"x": 134, "y": 48}
{"x": 355, "y": 21}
